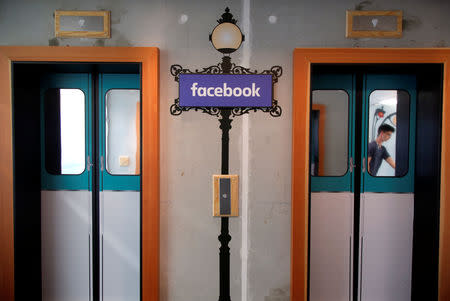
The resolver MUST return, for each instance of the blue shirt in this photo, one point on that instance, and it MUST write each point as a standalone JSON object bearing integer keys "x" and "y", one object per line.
{"x": 378, "y": 154}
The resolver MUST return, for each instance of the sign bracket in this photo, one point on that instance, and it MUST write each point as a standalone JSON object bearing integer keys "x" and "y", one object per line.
{"x": 226, "y": 67}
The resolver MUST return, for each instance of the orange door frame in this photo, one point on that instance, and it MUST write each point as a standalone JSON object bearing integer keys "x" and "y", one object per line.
{"x": 149, "y": 59}
{"x": 303, "y": 58}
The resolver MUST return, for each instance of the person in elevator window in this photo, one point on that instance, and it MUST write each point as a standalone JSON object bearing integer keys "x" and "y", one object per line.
{"x": 377, "y": 152}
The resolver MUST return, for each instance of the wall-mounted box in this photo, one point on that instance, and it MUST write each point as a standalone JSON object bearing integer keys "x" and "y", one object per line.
{"x": 225, "y": 195}
{"x": 374, "y": 24}
{"x": 82, "y": 24}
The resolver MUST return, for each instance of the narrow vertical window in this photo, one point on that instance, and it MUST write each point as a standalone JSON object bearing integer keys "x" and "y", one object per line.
{"x": 64, "y": 111}
{"x": 388, "y": 133}
{"x": 329, "y": 133}
{"x": 122, "y": 131}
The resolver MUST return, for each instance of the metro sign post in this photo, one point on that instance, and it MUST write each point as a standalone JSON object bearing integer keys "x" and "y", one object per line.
{"x": 221, "y": 90}
{"x": 225, "y": 90}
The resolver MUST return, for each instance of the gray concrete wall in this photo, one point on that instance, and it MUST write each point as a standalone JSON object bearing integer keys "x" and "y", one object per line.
{"x": 260, "y": 145}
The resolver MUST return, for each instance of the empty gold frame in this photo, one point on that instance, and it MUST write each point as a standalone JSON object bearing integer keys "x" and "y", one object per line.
{"x": 82, "y": 24}
{"x": 374, "y": 24}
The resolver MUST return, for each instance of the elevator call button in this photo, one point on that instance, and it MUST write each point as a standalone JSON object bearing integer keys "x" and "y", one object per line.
{"x": 225, "y": 195}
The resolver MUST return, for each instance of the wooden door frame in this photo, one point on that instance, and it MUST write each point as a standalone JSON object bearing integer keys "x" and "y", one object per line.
{"x": 303, "y": 58}
{"x": 148, "y": 57}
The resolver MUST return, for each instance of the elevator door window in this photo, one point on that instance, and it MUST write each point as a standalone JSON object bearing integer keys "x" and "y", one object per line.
{"x": 388, "y": 148}
{"x": 122, "y": 131}
{"x": 332, "y": 124}
{"x": 64, "y": 131}
{"x": 329, "y": 133}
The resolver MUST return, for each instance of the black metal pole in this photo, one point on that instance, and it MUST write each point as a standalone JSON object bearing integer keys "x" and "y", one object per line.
{"x": 224, "y": 237}
{"x": 225, "y": 126}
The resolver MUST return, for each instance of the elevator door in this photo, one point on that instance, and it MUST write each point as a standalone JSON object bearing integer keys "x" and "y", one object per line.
{"x": 66, "y": 189}
{"x": 119, "y": 134}
{"x": 332, "y": 184}
{"x": 387, "y": 194}
{"x": 340, "y": 181}
{"x": 90, "y": 179}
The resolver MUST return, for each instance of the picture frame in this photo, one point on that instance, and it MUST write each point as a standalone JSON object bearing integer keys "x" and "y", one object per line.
{"x": 374, "y": 24}
{"x": 82, "y": 24}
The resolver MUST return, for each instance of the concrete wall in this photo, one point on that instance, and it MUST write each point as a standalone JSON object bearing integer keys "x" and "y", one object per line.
{"x": 260, "y": 145}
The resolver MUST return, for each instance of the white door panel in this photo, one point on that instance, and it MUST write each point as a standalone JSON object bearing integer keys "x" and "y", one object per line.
{"x": 66, "y": 245}
{"x": 120, "y": 245}
{"x": 387, "y": 232}
{"x": 331, "y": 246}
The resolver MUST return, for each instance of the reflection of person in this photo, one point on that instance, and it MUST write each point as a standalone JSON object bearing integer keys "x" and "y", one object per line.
{"x": 377, "y": 152}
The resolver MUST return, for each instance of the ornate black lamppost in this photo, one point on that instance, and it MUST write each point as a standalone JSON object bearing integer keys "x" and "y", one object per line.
{"x": 226, "y": 38}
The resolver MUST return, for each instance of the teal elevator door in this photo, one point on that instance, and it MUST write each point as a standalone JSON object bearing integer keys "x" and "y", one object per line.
{"x": 332, "y": 124}
{"x": 67, "y": 126}
{"x": 390, "y": 99}
{"x": 382, "y": 110}
{"x": 119, "y": 103}
{"x": 333, "y": 108}
{"x": 90, "y": 186}
{"x": 66, "y": 131}
{"x": 66, "y": 186}
{"x": 386, "y": 198}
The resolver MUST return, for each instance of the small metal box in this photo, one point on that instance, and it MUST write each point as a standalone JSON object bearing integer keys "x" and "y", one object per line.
{"x": 225, "y": 195}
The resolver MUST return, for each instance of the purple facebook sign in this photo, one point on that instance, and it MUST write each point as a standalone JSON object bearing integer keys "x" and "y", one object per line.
{"x": 225, "y": 90}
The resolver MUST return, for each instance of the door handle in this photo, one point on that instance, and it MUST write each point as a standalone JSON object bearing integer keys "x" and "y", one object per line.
{"x": 102, "y": 167}
{"x": 364, "y": 165}
{"x": 89, "y": 164}
{"x": 351, "y": 165}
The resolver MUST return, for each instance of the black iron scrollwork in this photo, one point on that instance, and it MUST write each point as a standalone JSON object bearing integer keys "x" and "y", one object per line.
{"x": 176, "y": 110}
{"x": 226, "y": 67}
